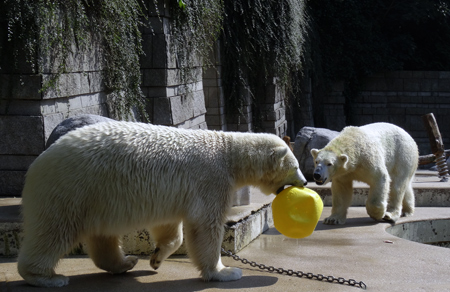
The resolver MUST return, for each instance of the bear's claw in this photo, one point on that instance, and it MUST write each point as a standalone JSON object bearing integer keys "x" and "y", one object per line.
{"x": 333, "y": 221}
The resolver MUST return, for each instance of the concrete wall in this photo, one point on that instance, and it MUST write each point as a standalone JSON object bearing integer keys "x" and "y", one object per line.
{"x": 399, "y": 97}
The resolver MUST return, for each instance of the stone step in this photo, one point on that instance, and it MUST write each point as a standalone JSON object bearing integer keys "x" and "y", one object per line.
{"x": 244, "y": 224}
{"x": 428, "y": 189}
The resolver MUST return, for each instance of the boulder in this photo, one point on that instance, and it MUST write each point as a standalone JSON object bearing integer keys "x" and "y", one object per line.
{"x": 73, "y": 123}
{"x": 308, "y": 138}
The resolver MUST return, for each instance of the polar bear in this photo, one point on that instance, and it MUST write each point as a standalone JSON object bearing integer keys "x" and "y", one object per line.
{"x": 97, "y": 182}
{"x": 382, "y": 155}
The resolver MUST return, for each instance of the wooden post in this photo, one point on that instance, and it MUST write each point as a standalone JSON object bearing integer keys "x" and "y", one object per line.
{"x": 437, "y": 146}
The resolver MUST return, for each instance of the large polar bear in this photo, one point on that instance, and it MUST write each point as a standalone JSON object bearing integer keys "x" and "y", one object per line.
{"x": 382, "y": 155}
{"x": 98, "y": 182}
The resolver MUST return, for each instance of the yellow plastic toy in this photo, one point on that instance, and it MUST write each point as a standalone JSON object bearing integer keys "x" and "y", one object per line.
{"x": 296, "y": 211}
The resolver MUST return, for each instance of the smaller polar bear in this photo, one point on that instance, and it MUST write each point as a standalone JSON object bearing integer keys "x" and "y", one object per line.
{"x": 382, "y": 155}
{"x": 100, "y": 181}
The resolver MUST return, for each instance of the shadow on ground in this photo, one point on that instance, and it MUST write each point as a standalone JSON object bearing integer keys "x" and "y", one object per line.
{"x": 131, "y": 281}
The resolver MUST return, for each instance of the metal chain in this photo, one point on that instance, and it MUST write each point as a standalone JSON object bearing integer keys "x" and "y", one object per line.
{"x": 300, "y": 274}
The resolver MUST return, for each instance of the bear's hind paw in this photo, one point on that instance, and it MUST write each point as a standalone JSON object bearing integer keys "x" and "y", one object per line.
{"x": 391, "y": 217}
{"x": 54, "y": 281}
{"x": 226, "y": 274}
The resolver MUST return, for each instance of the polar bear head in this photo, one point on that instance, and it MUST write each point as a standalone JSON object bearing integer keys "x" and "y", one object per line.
{"x": 285, "y": 172}
{"x": 327, "y": 165}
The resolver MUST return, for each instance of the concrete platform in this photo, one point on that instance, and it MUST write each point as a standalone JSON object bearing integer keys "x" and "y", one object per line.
{"x": 361, "y": 250}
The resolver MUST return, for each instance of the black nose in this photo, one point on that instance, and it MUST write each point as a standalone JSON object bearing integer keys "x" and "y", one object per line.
{"x": 316, "y": 176}
{"x": 305, "y": 183}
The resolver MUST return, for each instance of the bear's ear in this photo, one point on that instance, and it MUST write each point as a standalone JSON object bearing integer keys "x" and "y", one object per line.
{"x": 344, "y": 159}
{"x": 279, "y": 152}
{"x": 314, "y": 153}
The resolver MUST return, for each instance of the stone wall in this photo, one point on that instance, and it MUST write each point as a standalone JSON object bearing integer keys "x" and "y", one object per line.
{"x": 273, "y": 110}
{"x": 213, "y": 90}
{"x": 399, "y": 97}
{"x": 170, "y": 102}
{"x": 28, "y": 115}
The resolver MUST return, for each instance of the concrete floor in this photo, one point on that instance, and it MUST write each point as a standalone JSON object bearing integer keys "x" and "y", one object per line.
{"x": 361, "y": 250}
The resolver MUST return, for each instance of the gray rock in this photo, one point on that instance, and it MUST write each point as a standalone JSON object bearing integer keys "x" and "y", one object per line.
{"x": 73, "y": 123}
{"x": 308, "y": 138}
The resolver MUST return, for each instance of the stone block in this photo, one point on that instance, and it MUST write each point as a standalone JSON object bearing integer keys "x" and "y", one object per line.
{"x": 198, "y": 122}
{"x": 68, "y": 84}
{"x": 211, "y": 82}
{"x": 75, "y": 102}
{"x": 444, "y": 84}
{"x": 411, "y": 84}
{"x": 62, "y": 105}
{"x": 48, "y": 107}
{"x": 154, "y": 77}
{"x": 213, "y": 121}
{"x": 50, "y": 122}
{"x": 20, "y": 86}
{"x": 444, "y": 74}
{"x": 199, "y": 103}
{"x": 162, "y": 113}
{"x": 20, "y": 107}
{"x": 214, "y": 97}
{"x": 11, "y": 182}
{"x": 214, "y": 111}
{"x": 89, "y": 100}
{"x": 408, "y": 99}
{"x": 210, "y": 73}
{"x": 161, "y": 91}
{"x": 95, "y": 81}
{"x": 162, "y": 56}
{"x": 22, "y": 135}
{"x": 147, "y": 47}
{"x": 16, "y": 162}
{"x": 101, "y": 110}
{"x": 429, "y": 84}
{"x": 182, "y": 108}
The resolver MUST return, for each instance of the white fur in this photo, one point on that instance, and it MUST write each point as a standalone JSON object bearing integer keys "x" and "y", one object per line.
{"x": 98, "y": 182}
{"x": 382, "y": 155}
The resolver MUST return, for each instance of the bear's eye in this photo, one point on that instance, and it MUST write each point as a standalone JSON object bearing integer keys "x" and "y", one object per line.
{"x": 329, "y": 164}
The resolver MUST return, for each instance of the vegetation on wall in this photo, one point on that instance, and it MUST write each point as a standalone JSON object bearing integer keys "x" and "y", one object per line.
{"x": 196, "y": 26}
{"x": 54, "y": 31}
{"x": 47, "y": 30}
{"x": 261, "y": 40}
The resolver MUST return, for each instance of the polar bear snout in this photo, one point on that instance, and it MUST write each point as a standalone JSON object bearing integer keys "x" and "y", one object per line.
{"x": 319, "y": 177}
{"x": 299, "y": 179}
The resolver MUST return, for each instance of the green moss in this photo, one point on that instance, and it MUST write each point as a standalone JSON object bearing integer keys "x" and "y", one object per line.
{"x": 50, "y": 32}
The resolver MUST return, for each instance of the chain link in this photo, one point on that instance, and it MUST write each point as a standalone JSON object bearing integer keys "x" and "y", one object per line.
{"x": 300, "y": 274}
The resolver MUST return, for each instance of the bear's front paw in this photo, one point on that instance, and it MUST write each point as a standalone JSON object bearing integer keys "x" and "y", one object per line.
{"x": 334, "y": 220}
{"x": 128, "y": 263}
{"x": 226, "y": 274}
{"x": 54, "y": 281}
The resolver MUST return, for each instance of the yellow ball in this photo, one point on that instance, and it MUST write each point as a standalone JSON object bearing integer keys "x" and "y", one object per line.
{"x": 296, "y": 211}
